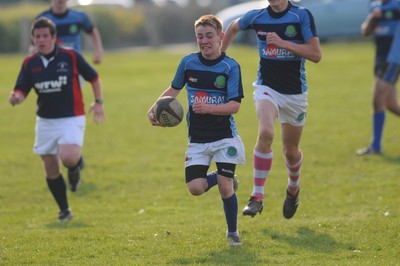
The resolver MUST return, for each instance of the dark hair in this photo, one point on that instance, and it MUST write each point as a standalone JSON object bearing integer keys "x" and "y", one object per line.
{"x": 209, "y": 20}
{"x": 43, "y": 22}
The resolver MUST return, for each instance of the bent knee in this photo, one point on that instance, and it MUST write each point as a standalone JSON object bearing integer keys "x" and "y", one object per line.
{"x": 196, "y": 188}
{"x": 196, "y": 191}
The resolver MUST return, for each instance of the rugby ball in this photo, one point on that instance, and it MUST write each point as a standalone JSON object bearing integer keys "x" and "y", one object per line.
{"x": 168, "y": 111}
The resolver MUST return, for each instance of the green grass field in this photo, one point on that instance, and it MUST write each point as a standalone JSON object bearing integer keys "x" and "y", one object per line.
{"x": 133, "y": 207}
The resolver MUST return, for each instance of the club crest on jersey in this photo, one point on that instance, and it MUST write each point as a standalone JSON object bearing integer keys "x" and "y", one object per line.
{"x": 389, "y": 14}
{"x": 73, "y": 28}
{"x": 220, "y": 82}
{"x": 290, "y": 31}
{"x": 62, "y": 67}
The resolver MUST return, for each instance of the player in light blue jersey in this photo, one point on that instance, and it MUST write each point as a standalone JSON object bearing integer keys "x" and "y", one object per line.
{"x": 214, "y": 93}
{"x": 381, "y": 23}
{"x": 70, "y": 23}
{"x": 287, "y": 37}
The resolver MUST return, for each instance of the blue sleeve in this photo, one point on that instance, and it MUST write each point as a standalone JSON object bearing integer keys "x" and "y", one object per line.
{"x": 87, "y": 24}
{"x": 234, "y": 86}
{"x": 179, "y": 80}
{"x": 246, "y": 20}
{"x": 308, "y": 25}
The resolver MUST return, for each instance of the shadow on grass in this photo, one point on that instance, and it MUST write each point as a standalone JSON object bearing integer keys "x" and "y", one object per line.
{"x": 382, "y": 158}
{"x": 71, "y": 224}
{"x": 85, "y": 188}
{"x": 393, "y": 160}
{"x": 239, "y": 255}
{"x": 309, "y": 239}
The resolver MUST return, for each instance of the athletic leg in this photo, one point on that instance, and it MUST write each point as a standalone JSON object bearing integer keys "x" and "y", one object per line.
{"x": 262, "y": 157}
{"x": 230, "y": 202}
{"x": 56, "y": 184}
{"x": 291, "y": 136}
{"x": 71, "y": 157}
{"x": 392, "y": 102}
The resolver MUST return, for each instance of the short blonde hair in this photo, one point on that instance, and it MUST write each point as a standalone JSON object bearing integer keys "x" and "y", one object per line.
{"x": 209, "y": 20}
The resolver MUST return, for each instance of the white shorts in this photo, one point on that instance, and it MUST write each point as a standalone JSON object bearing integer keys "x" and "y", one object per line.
{"x": 52, "y": 132}
{"x": 292, "y": 108}
{"x": 230, "y": 150}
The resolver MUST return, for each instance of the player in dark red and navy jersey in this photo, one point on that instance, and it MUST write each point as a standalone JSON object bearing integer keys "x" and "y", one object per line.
{"x": 53, "y": 72}
{"x": 382, "y": 23}
{"x": 287, "y": 37}
{"x": 70, "y": 23}
{"x": 214, "y": 92}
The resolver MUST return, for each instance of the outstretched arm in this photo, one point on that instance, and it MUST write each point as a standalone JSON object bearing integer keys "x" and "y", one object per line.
{"x": 369, "y": 24}
{"x": 230, "y": 34}
{"x": 98, "y": 46}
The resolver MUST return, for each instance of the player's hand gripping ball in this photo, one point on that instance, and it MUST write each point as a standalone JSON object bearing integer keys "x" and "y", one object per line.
{"x": 168, "y": 111}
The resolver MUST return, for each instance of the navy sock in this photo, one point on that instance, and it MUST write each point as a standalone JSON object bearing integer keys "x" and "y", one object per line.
{"x": 59, "y": 190}
{"x": 211, "y": 180}
{"x": 378, "y": 123}
{"x": 231, "y": 212}
{"x": 76, "y": 167}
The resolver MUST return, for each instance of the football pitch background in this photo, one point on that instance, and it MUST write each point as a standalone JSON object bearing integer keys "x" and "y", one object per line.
{"x": 133, "y": 207}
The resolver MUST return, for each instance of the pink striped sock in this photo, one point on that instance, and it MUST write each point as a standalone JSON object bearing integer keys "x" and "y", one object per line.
{"x": 262, "y": 163}
{"x": 294, "y": 176}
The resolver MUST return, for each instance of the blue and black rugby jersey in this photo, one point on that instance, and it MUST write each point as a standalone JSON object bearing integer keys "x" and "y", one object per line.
{"x": 214, "y": 82}
{"x": 279, "y": 68}
{"x": 69, "y": 26}
{"x": 56, "y": 82}
{"x": 385, "y": 27}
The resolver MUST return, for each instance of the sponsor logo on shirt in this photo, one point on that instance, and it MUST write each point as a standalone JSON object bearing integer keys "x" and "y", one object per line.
{"x": 37, "y": 70}
{"x": 262, "y": 33}
{"x": 203, "y": 97}
{"x": 274, "y": 52}
{"x": 192, "y": 79}
{"x": 51, "y": 85}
